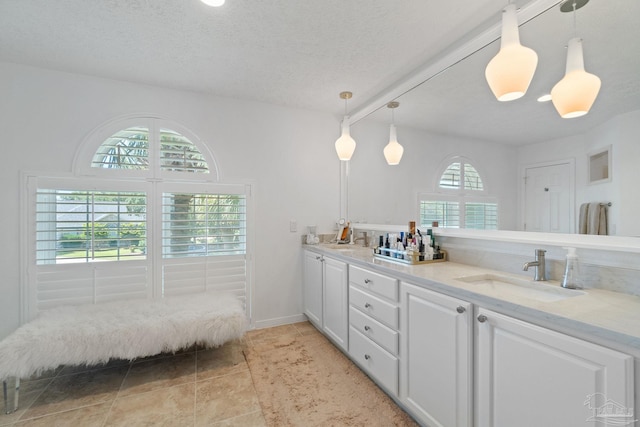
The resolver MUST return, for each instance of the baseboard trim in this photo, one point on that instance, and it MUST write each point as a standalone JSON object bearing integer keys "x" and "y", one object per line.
{"x": 279, "y": 321}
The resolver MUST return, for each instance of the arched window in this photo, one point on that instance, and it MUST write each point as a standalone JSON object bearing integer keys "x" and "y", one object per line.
{"x": 461, "y": 175}
{"x": 129, "y": 149}
{"x": 142, "y": 216}
{"x": 460, "y": 199}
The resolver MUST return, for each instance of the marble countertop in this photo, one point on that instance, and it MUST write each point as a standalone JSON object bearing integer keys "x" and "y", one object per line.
{"x": 604, "y": 317}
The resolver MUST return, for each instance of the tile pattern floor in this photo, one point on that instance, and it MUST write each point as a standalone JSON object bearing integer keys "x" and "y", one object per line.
{"x": 196, "y": 387}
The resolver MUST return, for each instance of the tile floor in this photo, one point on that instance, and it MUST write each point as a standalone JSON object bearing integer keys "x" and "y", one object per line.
{"x": 196, "y": 387}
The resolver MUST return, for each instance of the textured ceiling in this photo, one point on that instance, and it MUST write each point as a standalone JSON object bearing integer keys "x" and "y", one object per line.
{"x": 299, "y": 53}
{"x": 302, "y": 53}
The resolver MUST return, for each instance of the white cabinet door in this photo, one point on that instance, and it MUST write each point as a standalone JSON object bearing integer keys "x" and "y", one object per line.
{"x": 436, "y": 356}
{"x": 335, "y": 304}
{"x": 312, "y": 287}
{"x": 531, "y": 376}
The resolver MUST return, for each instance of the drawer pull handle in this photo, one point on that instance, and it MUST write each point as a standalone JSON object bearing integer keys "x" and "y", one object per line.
{"x": 460, "y": 309}
{"x": 482, "y": 318}
{"x": 367, "y": 305}
{"x": 366, "y": 356}
{"x": 367, "y": 281}
{"x": 318, "y": 257}
{"x": 366, "y": 328}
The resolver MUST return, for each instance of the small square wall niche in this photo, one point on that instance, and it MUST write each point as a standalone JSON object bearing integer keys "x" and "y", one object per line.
{"x": 600, "y": 165}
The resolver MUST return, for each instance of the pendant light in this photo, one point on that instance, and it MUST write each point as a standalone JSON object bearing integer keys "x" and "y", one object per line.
{"x": 345, "y": 145}
{"x": 213, "y": 3}
{"x": 509, "y": 73}
{"x": 393, "y": 150}
{"x": 574, "y": 95}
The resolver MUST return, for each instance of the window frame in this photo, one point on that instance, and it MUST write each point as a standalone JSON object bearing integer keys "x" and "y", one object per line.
{"x": 460, "y": 195}
{"x": 148, "y": 271}
{"x": 84, "y": 156}
{"x": 444, "y": 166}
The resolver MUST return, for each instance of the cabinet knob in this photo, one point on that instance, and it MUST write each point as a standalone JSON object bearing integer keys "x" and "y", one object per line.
{"x": 367, "y": 281}
{"x": 461, "y": 309}
{"x": 367, "y": 305}
{"x": 482, "y": 318}
{"x": 366, "y": 328}
{"x": 366, "y": 356}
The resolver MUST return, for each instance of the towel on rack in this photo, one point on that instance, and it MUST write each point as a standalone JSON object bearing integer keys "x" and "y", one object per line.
{"x": 582, "y": 220}
{"x": 593, "y": 219}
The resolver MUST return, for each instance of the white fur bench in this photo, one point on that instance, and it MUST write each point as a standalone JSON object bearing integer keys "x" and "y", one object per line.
{"x": 95, "y": 333}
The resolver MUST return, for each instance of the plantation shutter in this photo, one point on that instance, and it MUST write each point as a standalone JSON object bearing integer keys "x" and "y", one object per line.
{"x": 87, "y": 243}
{"x": 446, "y": 213}
{"x": 204, "y": 239}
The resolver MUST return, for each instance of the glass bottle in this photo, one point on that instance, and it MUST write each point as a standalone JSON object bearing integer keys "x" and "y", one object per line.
{"x": 571, "y": 278}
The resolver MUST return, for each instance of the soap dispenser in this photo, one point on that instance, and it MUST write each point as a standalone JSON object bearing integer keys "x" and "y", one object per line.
{"x": 571, "y": 279}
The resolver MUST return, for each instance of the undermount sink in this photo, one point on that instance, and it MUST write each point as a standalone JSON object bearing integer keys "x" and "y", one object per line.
{"x": 523, "y": 288}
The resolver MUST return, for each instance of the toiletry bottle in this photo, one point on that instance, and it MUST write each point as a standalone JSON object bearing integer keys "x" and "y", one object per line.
{"x": 571, "y": 279}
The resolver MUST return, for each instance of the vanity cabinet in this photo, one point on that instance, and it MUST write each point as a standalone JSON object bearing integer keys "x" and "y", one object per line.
{"x": 436, "y": 365}
{"x": 335, "y": 310}
{"x": 325, "y": 296}
{"x": 531, "y": 376}
{"x": 373, "y": 325}
{"x": 312, "y": 287}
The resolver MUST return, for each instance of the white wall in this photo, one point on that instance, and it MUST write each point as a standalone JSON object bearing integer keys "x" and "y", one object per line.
{"x": 621, "y": 133}
{"x": 288, "y": 153}
{"x": 382, "y": 194}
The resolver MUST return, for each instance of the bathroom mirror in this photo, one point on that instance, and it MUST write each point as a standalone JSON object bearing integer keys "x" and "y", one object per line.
{"x": 455, "y": 113}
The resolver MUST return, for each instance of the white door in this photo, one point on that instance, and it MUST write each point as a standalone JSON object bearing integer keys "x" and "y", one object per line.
{"x": 549, "y": 199}
{"x": 436, "y": 354}
{"x": 312, "y": 287}
{"x": 335, "y": 303}
{"x": 532, "y": 376}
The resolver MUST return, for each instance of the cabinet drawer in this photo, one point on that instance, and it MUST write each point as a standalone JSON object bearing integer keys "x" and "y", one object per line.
{"x": 375, "y": 307}
{"x": 384, "y": 286}
{"x": 377, "y": 362}
{"x": 383, "y": 336}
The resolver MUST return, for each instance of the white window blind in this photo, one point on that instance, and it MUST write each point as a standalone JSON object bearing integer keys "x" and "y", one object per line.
{"x": 460, "y": 201}
{"x": 126, "y": 149}
{"x": 446, "y": 213}
{"x": 177, "y": 153}
{"x": 203, "y": 224}
{"x": 130, "y": 149}
{"x": 457, "y": 212}
{"x": 83, "y": 226}
{"x": 461, "y": 175}
{"x": 481, "y": 216}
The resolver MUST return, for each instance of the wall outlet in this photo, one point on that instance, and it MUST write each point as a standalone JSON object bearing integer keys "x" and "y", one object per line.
{"x": 293, "y": 226}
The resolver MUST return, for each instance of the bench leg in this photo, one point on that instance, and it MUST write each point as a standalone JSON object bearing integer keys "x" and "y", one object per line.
{"x": 16, "y": 396}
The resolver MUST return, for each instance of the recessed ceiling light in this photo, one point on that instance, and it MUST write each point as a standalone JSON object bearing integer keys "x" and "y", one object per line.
{"x": 545, "y": 98}
{"x": 214, "y": 3}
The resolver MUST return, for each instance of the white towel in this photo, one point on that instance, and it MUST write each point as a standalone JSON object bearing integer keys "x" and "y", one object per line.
{"x": 597, "y": 219}
{"x": 582, "y": 221}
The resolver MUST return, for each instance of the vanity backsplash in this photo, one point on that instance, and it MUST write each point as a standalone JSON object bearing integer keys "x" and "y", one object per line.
{"x": 609, "y": 270}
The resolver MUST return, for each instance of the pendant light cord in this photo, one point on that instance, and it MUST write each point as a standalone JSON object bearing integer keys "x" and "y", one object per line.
{"x": 575, "y": 25}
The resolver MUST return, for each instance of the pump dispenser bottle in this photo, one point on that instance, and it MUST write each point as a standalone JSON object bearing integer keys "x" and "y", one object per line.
{"x": 571, "y": 279}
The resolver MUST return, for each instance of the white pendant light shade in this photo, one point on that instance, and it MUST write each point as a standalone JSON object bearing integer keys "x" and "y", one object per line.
{"x": 574, "y": 95}
{"x": 393, "y": 150}
{"x": 345, "y": 145}
{"x": 509, "y": 73}
{"x": 214, "y": 3}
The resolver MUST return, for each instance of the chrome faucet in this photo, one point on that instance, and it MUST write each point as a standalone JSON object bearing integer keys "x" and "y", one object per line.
{"x": 539, "y": 264}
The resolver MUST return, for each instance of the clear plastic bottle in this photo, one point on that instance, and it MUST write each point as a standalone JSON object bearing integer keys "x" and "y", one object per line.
{"x": 572, "y": 279}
